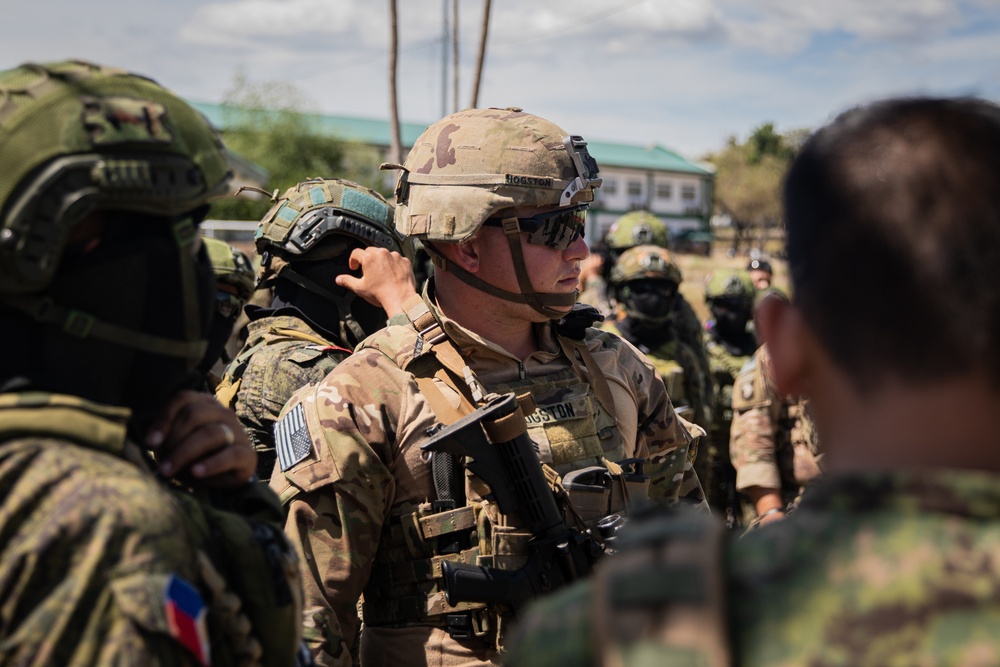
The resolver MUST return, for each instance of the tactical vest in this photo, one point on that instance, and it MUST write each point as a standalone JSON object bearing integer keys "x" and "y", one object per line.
{"x": 574, "y": 426}
{"x": 229, "y": 387}
{"x": 664, "y": 361}
{"x": 247, "y": 571}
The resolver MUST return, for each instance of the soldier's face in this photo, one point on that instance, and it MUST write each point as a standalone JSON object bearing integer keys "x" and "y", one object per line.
{"x": 550, "y": 270}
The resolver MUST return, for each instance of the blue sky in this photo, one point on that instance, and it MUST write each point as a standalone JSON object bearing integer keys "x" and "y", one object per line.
{"x": 686, "y": 74}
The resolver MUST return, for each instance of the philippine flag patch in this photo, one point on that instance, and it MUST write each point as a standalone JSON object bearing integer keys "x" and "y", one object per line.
{"x": 186, "y": 613}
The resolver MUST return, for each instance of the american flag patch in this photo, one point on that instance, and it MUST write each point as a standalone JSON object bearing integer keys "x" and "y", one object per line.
{"x": 291, "y": 438}
{"x": 186, "y": 613}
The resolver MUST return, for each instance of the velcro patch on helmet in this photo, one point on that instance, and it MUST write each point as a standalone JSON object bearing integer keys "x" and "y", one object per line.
{"x": 291, "y": 438}
{"x": 115, "y": 120}
{"x": 366, "y": 205}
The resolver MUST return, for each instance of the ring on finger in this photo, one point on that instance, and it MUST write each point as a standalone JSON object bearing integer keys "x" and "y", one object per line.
{"x": 229, "y": 435}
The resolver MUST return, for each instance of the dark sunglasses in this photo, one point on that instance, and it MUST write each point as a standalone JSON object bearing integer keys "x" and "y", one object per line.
{"x": 555, "y": 229}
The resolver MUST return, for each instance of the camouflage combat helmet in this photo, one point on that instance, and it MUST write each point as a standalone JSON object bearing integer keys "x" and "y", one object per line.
{"x": 131, "y": 146}
{"x": 729, "y": 285}
{"x": 78, "y": 138}
{"x": 637, "y": 228}
{"x": 481, "y": 164}
{"x": 645, "y": 261}
{"x": 320, "y": 219}
{"x": 638, "y": 283}
{"x": 231, "y": 267}
{"x": 316, "y": 209}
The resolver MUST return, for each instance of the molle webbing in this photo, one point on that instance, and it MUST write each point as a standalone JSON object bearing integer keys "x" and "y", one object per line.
{"x": 405, "y": 585}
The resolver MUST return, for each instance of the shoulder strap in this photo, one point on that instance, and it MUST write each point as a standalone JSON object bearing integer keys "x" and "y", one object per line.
{"x": 577, "y": 351}
{"x": 450, "y": 368}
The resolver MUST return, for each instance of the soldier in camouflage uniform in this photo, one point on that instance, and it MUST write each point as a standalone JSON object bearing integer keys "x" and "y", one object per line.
{"x": 498, "y": 198}
{"x": 307, "y": 241}
{"x": 730, "y": 343}
{"x": 643, "y": 228}
{"x": 772, "y": 442}
{"x": 234, "y": 284}
{"x": 644, "y": 286}
{"x": 893, "y": 556}
{"x": 105, "y": 297}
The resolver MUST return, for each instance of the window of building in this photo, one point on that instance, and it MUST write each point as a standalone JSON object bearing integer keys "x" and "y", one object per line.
{"x": 609, "y": 187}
{"x": 687, "y": 192}
{"x": 634, "y": 188}
{"x": 664, "y": 190}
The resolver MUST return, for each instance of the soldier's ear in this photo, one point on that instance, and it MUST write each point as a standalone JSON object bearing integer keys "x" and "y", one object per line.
{"x": 467, "y": 254}
{"x": 790, "y": 343}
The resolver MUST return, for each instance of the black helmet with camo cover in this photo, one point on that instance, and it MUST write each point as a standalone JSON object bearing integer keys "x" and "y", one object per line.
{"x": 302, "y": 221}
{"x": 306, "y": 237}
{"x": 482, "y": 164}
{"x": 644, "y": 281}
{"x": 104, "y": 176}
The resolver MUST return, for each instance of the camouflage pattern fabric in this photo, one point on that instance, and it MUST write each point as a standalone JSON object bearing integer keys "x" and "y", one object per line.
{"x": 691, "y": 332}
{"x": 725, "y": 363}
{"x": 365, "y": 423}
{"x": 92, "y": 541}
{"x": 695, "y": 390}
{"x": 285, "y": 354}
{"x": 772, "y": 440}
{"x": 871, "y": 570}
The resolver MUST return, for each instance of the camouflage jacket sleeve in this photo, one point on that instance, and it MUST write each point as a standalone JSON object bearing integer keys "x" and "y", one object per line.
{"x": 91, "y": 547}
{"x": 661, "y": 437}
{"x": 752, "y": 445}
{"x": 339, "y": 493}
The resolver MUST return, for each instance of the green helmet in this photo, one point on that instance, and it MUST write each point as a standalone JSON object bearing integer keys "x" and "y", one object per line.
{"x": 318, "y": 209}
{"x": 729, "y": 285}
{"x": 104, "y": 176}
{"x": 231, "y": 266}
{"x": 77, "y": 138}
{"x": 478, "y": 164}
{"x": 637, "y": 228}
{"x": 645, "y": 262}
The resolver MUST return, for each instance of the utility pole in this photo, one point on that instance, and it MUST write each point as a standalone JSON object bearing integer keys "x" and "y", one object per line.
{"x": 444, "y": 60}
{"x": 478, "y": 75}
{"x": 396, "y": 143}
{"x": 454, "y": 53}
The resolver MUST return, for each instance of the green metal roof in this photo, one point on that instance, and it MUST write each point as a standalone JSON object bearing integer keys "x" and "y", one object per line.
{"x": 376, "y": 132}
{"x": 642, "y": 157}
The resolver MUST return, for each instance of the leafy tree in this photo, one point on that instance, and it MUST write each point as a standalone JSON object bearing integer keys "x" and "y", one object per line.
{"x": 264, "y": 124}
{"x": 748, "y": 178}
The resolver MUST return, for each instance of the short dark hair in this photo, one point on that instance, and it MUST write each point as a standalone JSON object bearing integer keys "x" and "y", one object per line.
{"x": 904, "y": 194}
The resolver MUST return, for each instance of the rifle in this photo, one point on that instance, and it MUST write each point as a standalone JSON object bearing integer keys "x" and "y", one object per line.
{"x": 494, "y": 441}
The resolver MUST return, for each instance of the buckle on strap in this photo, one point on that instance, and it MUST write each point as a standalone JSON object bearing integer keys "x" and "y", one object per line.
{"x": 468, "y": 624}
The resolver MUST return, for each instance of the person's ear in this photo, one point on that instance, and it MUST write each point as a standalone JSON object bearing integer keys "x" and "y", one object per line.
{"x": 789, "y": 343}
{"x": 467, "y": 254}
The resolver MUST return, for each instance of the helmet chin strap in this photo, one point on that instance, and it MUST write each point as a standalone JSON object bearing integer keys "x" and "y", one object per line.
{"x": 540, "y": 302}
